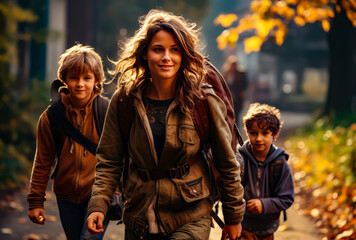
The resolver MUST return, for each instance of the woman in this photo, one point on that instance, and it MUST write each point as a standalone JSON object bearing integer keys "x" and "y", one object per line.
{"x": 161, "y": 73}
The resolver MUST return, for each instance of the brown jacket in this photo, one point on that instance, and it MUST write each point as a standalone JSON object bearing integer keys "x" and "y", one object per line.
{"x": 177, "y": 201}
{"x": 76, "y": 167}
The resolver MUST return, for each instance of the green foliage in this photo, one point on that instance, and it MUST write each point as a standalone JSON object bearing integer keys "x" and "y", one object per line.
{"x": 20, "y": 111}
{"x": 326, "y": 151}
{"x": 323, "y": 159}
{"x": 19, "y": 108}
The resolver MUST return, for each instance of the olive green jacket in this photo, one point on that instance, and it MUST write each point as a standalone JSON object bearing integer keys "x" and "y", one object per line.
{"x": 176, "y": 201}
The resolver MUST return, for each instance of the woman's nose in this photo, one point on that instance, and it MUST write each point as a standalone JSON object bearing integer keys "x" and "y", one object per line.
{"x": 166, "y": 56}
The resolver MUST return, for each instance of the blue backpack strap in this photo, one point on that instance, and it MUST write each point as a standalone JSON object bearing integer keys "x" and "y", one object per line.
{"x": 275, "y": 175}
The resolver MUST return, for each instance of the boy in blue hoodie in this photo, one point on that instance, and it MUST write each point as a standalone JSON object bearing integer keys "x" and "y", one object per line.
{"x": 266, "y": 195}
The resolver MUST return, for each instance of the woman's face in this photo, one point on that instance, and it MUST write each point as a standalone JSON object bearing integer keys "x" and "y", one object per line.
{"x": 164, "y": 57}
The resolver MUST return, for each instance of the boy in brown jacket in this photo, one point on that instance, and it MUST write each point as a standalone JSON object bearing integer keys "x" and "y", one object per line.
{"x": 81, "y": 71}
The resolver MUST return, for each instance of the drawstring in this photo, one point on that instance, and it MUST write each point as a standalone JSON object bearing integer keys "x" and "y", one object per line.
{"x": 71, "y": 146}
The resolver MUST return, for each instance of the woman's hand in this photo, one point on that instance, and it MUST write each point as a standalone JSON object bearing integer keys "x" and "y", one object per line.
{"x": 37, "y": 215}
{"x": 255, "y": 206}
{"x": 232, "y": 232}
{"x": 95, "y": 222}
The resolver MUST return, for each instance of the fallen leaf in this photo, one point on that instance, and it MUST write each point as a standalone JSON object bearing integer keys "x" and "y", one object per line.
{"x": 282, "y": 228}
{"x": 32, "y": 236}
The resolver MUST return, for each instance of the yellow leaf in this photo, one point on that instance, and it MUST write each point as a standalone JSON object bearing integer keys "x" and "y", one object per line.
{"x": 282, "y": 228}
{"x": 292, "y": 2}
{"x": 232, "y": 38}
{"x": 338, "y": 8}
{"x": 252, "y": 44}
{"x": 326, "y": 25}
{"x": 279, "y": 36}
{"x": 225, "y": 20}
{"x": 331, "y": 13}
{"x": 222, "y": 42}
{"x": 254, "y": 6}
{"x": 299, "y": 21}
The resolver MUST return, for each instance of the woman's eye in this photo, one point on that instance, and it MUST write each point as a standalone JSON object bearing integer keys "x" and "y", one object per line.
{"x": 157, "y": 49}
{"x": 175, "y": 50}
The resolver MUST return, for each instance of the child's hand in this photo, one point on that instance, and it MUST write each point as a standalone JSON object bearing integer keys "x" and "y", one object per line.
{"x": 37, "y": 215}
{"x": 255, "y": 206}
{"x": 95, "y": 222}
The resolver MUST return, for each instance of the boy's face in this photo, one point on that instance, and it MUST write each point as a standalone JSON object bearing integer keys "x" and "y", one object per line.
{"x": 260, "y": 139}
{"x": 80, "y": 86}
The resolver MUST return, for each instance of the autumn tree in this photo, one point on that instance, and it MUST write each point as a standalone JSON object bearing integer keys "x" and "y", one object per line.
{"x": 17, "y": 107}
{"x": 269, "y": 19}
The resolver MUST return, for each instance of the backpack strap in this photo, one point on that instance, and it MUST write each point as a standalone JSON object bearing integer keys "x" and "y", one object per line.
{"x": 201, "y": 118}
{"x": 100, "y": 106}
{"x": 57, "y": 133}
{"x": 275, "y": 175}
{"x": 56, "y": 117}
{"x": 222, "y": 90}
{"x": 56, "y": 84}
{"x": 125, "y": 111}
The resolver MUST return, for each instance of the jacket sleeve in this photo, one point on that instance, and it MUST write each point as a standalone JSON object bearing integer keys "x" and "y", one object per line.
{"x": 42, "y": 165}
{"x": 232, "y": 192}
{"x": 284, "y": 193}
{"x": 110, "y": 155}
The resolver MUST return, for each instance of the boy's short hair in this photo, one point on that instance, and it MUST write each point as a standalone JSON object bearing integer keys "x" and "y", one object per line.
{"x": 81, "y": 59}
{"x": 265, "y": 115}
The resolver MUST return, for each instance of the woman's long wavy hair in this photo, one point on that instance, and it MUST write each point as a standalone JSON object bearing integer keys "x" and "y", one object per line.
{"x": 134, "y": 71}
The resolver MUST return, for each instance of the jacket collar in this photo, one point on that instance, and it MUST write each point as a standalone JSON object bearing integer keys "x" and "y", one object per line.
{"x": 68, "y": 103}
{"x": 274, "y": 153}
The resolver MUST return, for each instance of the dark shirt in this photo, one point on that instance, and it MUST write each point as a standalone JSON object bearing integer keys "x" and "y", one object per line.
{"x": 156, "y": 112}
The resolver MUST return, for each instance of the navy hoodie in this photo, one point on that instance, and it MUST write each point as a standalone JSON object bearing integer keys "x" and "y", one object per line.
{"x": 273, "y": 202}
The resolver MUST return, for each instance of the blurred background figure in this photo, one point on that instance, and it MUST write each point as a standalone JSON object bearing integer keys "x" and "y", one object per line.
{"x": 235, "y": 77}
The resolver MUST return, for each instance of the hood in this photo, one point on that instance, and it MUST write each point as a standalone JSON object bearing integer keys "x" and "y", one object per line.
{"x": 274, "y": 153}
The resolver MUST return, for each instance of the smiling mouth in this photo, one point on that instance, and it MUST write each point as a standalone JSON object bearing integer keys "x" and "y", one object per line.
{"x": 165, "y": 67}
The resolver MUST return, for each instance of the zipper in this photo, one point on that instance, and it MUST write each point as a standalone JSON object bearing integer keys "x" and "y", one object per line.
{"x": 258, "y": 181}
{"x": 80, "y": 155}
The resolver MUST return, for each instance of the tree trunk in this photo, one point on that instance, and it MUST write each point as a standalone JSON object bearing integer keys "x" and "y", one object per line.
{"x": 341, "y": 96}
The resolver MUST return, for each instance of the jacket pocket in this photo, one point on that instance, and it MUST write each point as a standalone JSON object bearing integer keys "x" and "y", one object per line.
{"x": 187, "y": 134}
{"x": 194, "y": 190}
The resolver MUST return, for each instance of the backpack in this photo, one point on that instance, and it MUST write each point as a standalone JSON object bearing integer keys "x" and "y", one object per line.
{"x": 214, "y": 80}
{"x": 275, "y": 172}
{"x": 61, "y": 127}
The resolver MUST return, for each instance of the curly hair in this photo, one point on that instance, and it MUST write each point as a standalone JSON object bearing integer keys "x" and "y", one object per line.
{"x": 265, "y": 115}
{"x": 81, "y": 59}
{"x": 133, "y": 68}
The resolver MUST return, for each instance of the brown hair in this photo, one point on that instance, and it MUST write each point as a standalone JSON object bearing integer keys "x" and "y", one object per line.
{"x": 81, "y": 59}
{"x": 134, "y": 69}
{"x": 265, "y": 115}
